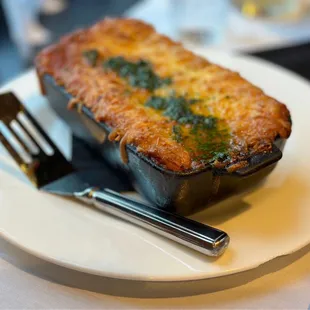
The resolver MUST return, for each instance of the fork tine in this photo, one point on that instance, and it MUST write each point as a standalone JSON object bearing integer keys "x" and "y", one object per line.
{"x": 10, "y": 108}
{"x": 40, "y": 130}
{"x": 20, "y": 140}
{"x": 41, "y": 168}
{"x": 29, "y": 134}
{"x": 12, "y": 151}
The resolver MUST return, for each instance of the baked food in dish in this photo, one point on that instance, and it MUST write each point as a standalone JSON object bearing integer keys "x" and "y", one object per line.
{"x": 175, "y": 107}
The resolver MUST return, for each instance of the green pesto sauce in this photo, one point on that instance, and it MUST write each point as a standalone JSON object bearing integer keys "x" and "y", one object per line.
{"x": 177, "y": 133}
{"x": 139, "y": 74}
{"x": 200, "y": 134}
{"x": 91, "y": 57}
{"x": 210, "y": 141}
{"x": 178, "y": 108}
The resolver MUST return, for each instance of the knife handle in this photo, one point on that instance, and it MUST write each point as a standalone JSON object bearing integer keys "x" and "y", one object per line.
{"x": 202, "y": 238}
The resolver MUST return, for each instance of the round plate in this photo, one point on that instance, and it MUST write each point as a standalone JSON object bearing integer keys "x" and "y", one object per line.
{"x": 268, "y": 223}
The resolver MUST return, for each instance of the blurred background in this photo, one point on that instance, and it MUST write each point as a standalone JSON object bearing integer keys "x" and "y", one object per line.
{"x": 247, "y": 26}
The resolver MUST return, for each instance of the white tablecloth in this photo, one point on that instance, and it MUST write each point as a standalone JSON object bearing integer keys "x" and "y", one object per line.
{"x": 27, "y": 282}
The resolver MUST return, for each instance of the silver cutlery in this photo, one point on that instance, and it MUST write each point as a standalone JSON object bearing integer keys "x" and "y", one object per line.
{"x": 46, "y": 167}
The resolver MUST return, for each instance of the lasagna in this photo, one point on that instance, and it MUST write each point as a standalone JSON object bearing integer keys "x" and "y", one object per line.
{"x": 177, "y": 108}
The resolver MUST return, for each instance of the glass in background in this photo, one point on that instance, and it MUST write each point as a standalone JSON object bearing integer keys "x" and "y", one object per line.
{"x": 24, "y": 26}
{"x": 274, "y": 10}
{"x": 199, "y": 21}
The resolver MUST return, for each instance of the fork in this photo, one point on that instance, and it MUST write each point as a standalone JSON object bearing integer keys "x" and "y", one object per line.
{"x": 48, "y": 170}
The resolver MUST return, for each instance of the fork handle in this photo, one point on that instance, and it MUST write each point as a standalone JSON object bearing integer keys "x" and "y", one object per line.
{"x": 202, "y": 238}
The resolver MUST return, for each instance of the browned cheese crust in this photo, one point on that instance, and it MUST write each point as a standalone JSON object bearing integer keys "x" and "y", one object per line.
{"x": 254, "y": 119}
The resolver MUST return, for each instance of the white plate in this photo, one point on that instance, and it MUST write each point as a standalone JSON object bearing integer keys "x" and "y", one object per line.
{"x": 271, "y": 222}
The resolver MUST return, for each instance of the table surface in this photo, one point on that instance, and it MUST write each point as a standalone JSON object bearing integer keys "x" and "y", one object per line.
{"x": 27, "y": 282}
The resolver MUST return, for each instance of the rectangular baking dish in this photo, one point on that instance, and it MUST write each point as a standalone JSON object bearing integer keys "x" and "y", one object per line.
{"x": 183, "y": 193}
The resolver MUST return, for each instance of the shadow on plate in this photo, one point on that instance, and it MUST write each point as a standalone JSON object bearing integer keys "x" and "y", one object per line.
{"x": 221, "y": 212}
{"x": 267, "y": 204}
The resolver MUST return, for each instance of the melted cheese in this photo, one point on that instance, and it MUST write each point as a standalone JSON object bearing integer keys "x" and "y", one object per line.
{"x": 254, "y": 119}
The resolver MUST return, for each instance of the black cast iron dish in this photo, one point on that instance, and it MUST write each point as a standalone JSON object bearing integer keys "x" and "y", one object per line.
{"x": 183, "y": 193}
